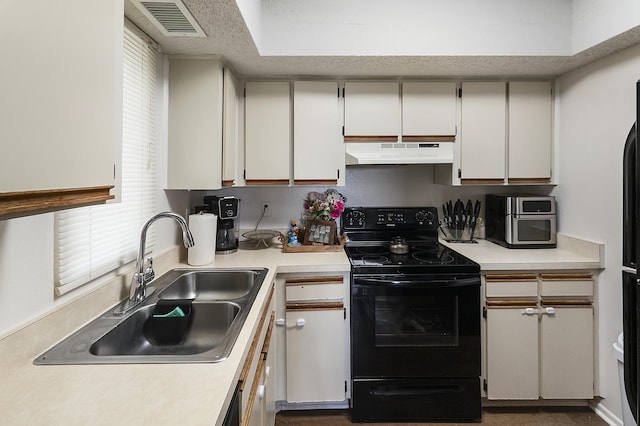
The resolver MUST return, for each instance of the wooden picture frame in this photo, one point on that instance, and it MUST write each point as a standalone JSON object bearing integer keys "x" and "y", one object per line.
{"x": 319, "y": 232}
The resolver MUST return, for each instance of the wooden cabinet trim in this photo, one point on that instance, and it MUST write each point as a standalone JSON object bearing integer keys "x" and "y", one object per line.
{"x": 314, "y": 306}
{"x": 510, "y": 277}
{"x": 315, "y": 181}
{"x": 566, "y": 277}
{"x": 371, "y": 138}
{"x": 254, "y": 390}
{"x": 330, "y": 279}
{"x": 267, "y": 337}
{"x": 497, "y": 181}
{"x": 511, "y": 304}
{"x": 530, "y": 181}
{"x": 17, "y": 203}
{"x": 267, "y": 181}
{"x": 565, "y": 303}
{"x": 254, "y": 344}
{"x": 428, "y": 138}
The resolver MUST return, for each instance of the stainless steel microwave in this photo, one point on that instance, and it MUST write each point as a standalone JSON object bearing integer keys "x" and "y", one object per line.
{"x": 521, "y": 221}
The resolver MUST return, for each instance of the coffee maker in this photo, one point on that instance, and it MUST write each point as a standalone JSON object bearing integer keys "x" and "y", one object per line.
{"x": 227, "y": 234}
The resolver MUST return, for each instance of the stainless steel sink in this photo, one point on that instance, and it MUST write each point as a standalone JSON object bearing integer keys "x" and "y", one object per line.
{"x": 219, "y": 301}
{"x": 210, "y": 285}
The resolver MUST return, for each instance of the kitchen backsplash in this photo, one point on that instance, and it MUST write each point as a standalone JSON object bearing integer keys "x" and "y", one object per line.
{"x": 410, "y": 185}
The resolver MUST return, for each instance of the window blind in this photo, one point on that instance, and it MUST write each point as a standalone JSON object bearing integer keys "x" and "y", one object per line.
{"x": 93, "y": 241}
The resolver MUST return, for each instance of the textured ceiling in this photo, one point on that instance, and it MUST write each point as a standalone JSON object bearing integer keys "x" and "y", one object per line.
{"x": 229, "y": 37}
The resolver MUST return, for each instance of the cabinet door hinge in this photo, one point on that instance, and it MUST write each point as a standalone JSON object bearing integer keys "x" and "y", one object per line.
{"x": 459, "y": 92}
{"x": 342, "y": 92}
{"x": 114, "y": 171}
{"x": 338, "y": 170}
{"x": 244, "y": 174}
{"x": 244, "y": 95}
{"x": 342, "y": 130}
{"x": 345, "y": 386}
{"x": 484, "y": 312}
{"x": 484, "y": 385}
{"x": 459, "y": 173}
{"x": 345, "y": 312}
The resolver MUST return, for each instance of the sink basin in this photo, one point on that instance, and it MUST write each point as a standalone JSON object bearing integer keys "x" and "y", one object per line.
{"x": 210, "y": 285}
{"x": 210, "y": 323}
{"x": 219, "y": 301}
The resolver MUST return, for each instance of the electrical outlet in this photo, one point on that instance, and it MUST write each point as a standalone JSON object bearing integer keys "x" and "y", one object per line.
{"x": 265, "y": 207}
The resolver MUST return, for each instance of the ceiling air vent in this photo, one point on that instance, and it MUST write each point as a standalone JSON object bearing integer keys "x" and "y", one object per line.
{"x": 171, "y": 17}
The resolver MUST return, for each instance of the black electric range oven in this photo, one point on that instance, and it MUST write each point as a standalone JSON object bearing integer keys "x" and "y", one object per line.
{"x": 415, "y": 319}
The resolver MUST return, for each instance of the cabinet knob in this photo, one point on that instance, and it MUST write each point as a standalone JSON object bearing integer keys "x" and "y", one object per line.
{"x": 280, "y": 321}
{"x": 549, "y": 311}
{"x": 300, "y": 322}
{"x": 529, "y": 311}
{"x": 267, "y": 371}
{"x": 261, "y": 391}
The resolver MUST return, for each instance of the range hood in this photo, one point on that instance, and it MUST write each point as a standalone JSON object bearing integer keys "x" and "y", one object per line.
{"x": 398, "y": 153}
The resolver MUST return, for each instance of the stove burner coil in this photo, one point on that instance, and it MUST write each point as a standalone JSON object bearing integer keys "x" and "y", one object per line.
{"x": 375, "y": 260}
{"x": 428, "y": 257}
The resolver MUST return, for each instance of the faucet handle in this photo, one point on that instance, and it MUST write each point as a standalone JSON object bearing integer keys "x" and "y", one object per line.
{"x": 149, "y": 273}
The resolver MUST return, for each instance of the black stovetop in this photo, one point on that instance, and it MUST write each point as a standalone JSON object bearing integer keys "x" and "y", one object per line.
{"x": 369, "y": 233}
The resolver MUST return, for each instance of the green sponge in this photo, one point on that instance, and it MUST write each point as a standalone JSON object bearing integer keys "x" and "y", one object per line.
{"x": 176, "y": 312}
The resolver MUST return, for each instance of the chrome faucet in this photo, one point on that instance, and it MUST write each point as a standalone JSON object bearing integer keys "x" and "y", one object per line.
{"x": 144, "y": 273}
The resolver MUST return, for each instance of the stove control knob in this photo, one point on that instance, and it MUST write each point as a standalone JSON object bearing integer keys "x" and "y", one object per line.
{"x": 355, "y": 218}
{"x": 423, "y": 216}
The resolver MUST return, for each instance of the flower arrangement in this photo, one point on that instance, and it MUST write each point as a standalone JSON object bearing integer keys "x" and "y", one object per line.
{"x": 324, "y": 206}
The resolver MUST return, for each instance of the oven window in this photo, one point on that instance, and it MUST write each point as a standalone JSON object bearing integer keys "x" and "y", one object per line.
{"x": 416, "y": 321}
{"x": 534, "y": 230}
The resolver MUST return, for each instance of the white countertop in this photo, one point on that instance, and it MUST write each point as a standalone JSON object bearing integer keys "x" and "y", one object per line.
{"x": 571, "y": 253}
{"x": 194, "y": 394}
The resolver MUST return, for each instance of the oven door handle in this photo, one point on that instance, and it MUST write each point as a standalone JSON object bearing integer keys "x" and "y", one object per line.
{"x": 420, "y": 282}
{"x": 414, "y": 391}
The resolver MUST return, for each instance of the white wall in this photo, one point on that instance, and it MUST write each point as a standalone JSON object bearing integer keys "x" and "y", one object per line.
{"x": 594, "y": 21}
{"x": 597, "y": 110}
{"x": 415, "y": 27}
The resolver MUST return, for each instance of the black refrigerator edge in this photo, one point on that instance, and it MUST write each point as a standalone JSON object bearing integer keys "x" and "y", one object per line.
{"x": 630, "y": 254}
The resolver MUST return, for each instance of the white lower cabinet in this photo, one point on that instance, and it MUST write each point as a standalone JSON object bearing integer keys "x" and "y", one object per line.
{"x": 566, "y": 352}
{"x": 315, "y": 371}
{"x": 539, "y": 336}
{"x": 512, "y": 353}
{"x": 315, "y": 329}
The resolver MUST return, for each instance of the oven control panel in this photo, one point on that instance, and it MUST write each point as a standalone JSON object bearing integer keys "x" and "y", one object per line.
{"x": 377, "y": 218}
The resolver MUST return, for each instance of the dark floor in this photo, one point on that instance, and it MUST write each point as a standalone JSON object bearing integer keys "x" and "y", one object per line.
{"x": 560, "y": 416}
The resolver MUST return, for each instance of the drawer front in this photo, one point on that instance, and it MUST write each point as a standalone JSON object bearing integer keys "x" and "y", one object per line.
{"x": 314, "y": 288}
{"x": 563, "y": 285}
{"x": 524, "y": 285}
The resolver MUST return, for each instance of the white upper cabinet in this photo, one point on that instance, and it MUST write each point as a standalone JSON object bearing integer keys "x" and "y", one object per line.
{"x": 318, "y": 150}
{"x": 371, "y": 111}
{"x": 428, "y": 110}
{"x": 530, "y": 132}
{"x": 195, "y": 124}
{"x": 61, "y": 103}
{"x": 267, "y": 133}
{"x": 483, "y": 134}
{"x": 230, "y": 138}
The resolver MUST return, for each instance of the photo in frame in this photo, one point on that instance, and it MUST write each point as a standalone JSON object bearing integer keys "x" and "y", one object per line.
{"x": 319, "y": 231}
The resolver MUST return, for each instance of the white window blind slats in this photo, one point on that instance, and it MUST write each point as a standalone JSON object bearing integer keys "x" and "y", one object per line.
{"x": 93, "y": 241}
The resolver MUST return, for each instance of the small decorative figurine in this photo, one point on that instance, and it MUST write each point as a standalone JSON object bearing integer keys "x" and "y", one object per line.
{"x": 293, "y": 234}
